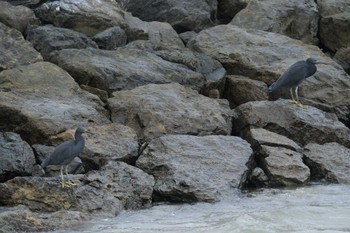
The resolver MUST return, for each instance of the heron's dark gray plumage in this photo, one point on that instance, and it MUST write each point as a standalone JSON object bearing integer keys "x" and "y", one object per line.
{"x": 66, "y": 152}
{"x": 294, "y": 75}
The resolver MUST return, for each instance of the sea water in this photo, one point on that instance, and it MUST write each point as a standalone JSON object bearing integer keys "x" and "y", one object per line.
{"x": 316, "y": 208}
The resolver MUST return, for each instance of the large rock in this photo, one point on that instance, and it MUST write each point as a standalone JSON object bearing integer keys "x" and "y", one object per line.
{"x": 48, "y": 38}
{"x": 111, "y": 38}
{"x": 191, "y": 168}
{"x": 112, "y": 142}
{"x": 16, "y": 156}
{"x": 107, "y": 191}
{"x": 240, "y": 90}
{"x": 181, "y": 14}
{"x": 264, "y": 56}
{"x": 342, "y": 57}
{"x": 302, "y": 125}
{"x": 329, "y": 162}
{"x": 123, "y": 68}
{"x": 331, "y": 7}
{"x": 297, "y": 19}
{"x": 15, "y": 50}
{"x": 334, "y": 31}
{"x": 154, "y": 110}
{"x": 86, "y": 16}
{"x": 17, "y": 17}
{"x": 41, "y": 99}
{"x": 284, "y": 167}
{"x": 279, "y": 158}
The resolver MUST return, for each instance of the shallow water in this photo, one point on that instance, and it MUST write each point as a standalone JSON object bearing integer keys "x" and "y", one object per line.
{"x": 317, "y": 208}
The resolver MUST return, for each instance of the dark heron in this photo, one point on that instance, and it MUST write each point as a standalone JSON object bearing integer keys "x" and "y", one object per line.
{"x": 293, "y": 77}
{"x": 65, "y": 153}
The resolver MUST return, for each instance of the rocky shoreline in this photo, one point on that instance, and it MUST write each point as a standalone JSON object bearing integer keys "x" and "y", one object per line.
{"x": 174, "y": 99}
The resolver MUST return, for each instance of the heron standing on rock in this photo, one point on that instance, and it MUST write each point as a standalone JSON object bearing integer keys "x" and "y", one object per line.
{"x": 293, "y": 77}
{"x": 65, "y": 153}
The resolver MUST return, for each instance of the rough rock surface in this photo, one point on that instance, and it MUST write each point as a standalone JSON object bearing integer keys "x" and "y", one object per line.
{"x": 297, "y": 19}
{"x": 183, "y": 15}
{"x": 89, "y": 16}
{"x": 328, "y": 162}
{"x": 302, "y": 125}
{"x": 107, "y": 191}
{"x": 331, "y": 7}
{"x": 16, "y": 156}
{"x": 41, "y": 99}
{"x": 112, "y": 142}
{"x": 15, "y": 50}
{"x": 48, "y": 38}
{"x": 154, "y": 110}
{"x": 284, "y": 167}
{"x": 111, "y": 38}
{"x": 123, "y": 68}
{"x": 264, "y": 56}
{"x": 334, "y": 31}
{"x": 17, "y": 17}
{"x": 191, "y": 168}
{"x": 343, "y": 58}
{"x": 240, "y": 90}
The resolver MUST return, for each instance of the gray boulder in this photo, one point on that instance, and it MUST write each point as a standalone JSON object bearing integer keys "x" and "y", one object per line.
{"x": 111, "y": 38}
{"x": 240, "y": 90}
{"x": 16, "y": 156}
{"x": 41, "y": 99}
{"x": 328, "y": 162}
{"x": 302, "y": 125}
{"x": 155, "y": 110}
{"x": 331, "y": 7}
{"x": 264, "y": 56}
{"x": 17, "y": 17}
{"x": 123, "y": 68}
{"x": 15, "y": 50}
{"x": 284, "y": 167}
{"x": 297, "y": 19}
{"x": 342, "y": 57}
{"x": 181, "y": 14}
{"x": 48, "y": 38}
{"x": 105, "y": 192}
{"x": 112, "y": 142}
{"x": 334, "y": 31}
{"x": 87, "y": 16}
{"x": 191, "y": 168}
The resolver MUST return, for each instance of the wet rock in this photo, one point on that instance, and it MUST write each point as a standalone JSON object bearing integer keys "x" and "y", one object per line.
{"x": 334, "y": 31}
{"x": 258, "y": 178}
{"x": 16, "y": 156}
{"x": 123, "y": 68}
{"x": 132, "y": 186}
{"x": 302, "y": 125}
{"x": 89, "y": 17}
{"x": 342, "y": 57}
{"x": 178, "y": 163}
{"x": 41, "y": 99}
{"x": 46, "y": 194}
{"x": 154, "y": 110}
{"x": 296, "y": 19}
{"x": 111, "y": 38}
{"x": 227, "y": 9}
{"x": 284, "y": 167}
{"x": 15, "y": 50}
{"x": 328, "y": 162}
{"x": 182, "y": 15}
{"x": 240, "y": 90}
{"x": 112, "y": 142}
{"x": 264, "y": 56}
{"x": 48, "y": 38}
{"x": 17, "y": 17}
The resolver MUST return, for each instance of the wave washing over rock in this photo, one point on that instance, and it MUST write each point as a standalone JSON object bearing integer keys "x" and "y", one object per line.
{"x": 174, "y": 99}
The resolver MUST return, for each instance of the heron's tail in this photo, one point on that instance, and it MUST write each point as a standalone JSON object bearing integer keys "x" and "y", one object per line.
{"x": 272, "y": 87}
